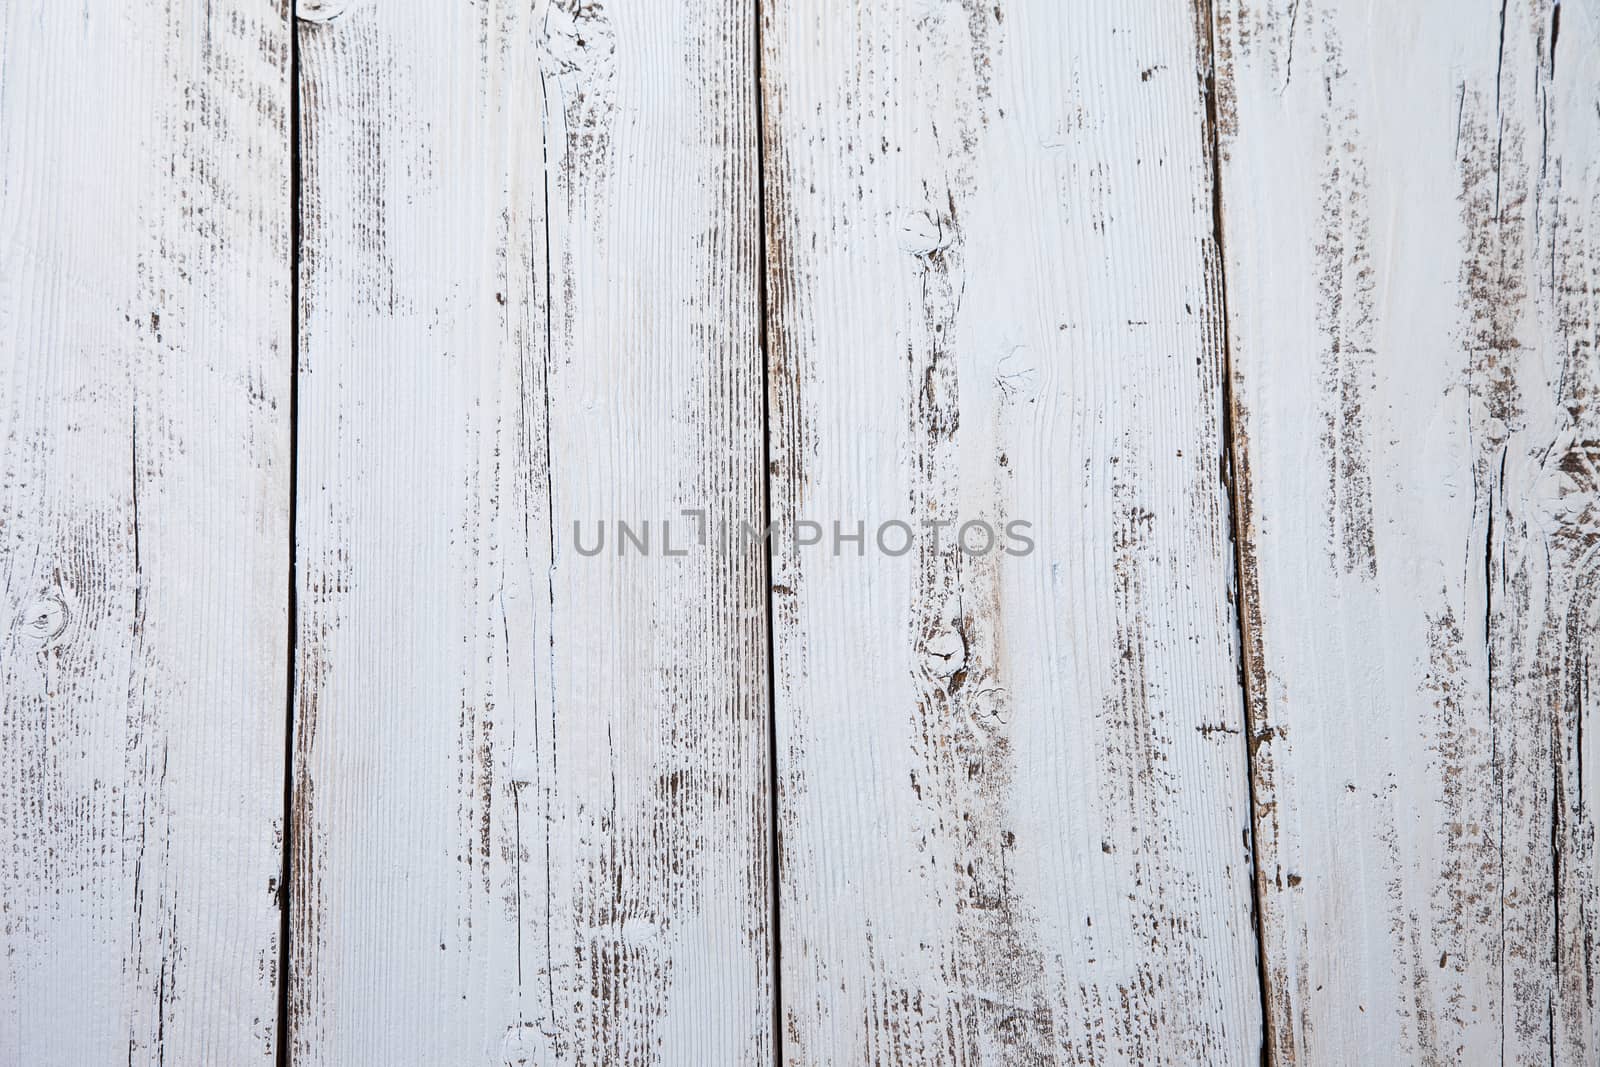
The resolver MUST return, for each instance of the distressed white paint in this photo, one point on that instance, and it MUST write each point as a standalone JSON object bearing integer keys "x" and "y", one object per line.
{"x": 531, "y": 807}
{"x": 1013, "y": 795}
{"x": 1410, "y": 194}
{"x": 144, "y": 488}
{"x": 531, "y": 787}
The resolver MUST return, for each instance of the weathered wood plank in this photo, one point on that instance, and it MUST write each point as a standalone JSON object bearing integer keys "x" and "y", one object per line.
{"x": 144, "y": 490}
{"x": 531, "y": 802}
{"x": 1410, "y": 194}
{"x": 1013, "y": 802}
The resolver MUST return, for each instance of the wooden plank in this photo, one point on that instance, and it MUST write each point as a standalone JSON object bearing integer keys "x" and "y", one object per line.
{"x": 1410, "y": 194}
{"x": 531, "y": 804}
{"x": 144, "y": 490}
{"x": 1013, "y": 812}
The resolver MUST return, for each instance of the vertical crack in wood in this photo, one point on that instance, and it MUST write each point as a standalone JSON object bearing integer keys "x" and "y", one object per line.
{"x": 292, "y": 626}
{"x": 1232, "y": 463}
{"x": 766, "y": 542}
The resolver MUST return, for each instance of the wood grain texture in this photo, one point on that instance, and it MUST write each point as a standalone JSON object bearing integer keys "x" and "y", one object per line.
{"x": 1013, "y": 799}
{"x": 144, "y": 489}
{"x": 1410, "y": 197}
{"x": 531, "y": 801}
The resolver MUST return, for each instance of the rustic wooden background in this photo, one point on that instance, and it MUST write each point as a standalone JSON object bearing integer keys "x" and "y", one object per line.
{"x": 320, "y": 330}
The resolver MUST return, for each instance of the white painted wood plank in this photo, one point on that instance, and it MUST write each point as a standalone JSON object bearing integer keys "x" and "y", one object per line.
{"x": 1013, "y": 795}
{"x": 531, "y": 803}
{"x": 1410, "y": 194}
{"x": 144, "y": 491}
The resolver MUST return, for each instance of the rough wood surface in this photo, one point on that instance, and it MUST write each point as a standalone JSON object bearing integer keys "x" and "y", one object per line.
{"x": 531, "y": 803}
{"x": 1410, "y": 197}
{"x": 1035, "y": 797}
{"x": 1013, "y": 812}
{"x": 144, "y": 488}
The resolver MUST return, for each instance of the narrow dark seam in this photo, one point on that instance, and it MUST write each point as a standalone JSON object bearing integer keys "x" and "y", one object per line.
{"x": 774, "y": 867}
{"x": 1499, "y": 117}
{"x": 1555, "y": 35}
{"x": 293, "y": 619}
{"x": 1230, "y": 467}
{"x": 1496, "y": 493}
{"x": 545, "y": 789}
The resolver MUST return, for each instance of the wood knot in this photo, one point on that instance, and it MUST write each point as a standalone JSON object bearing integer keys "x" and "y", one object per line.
{"x": 525, "y": 1045}
{"x": 42, "y": 623}
{"x": 921, "y": 233}
{"x": 319, "y": 11}
{"x": 580, "y": 38}
{"x": 943, "y": 645}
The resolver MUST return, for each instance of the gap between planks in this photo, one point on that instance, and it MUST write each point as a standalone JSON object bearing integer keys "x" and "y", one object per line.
{"x": 774, "y": 844}
{"x": 285, "y": 971}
